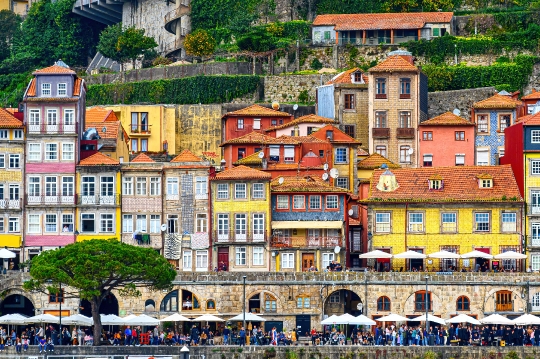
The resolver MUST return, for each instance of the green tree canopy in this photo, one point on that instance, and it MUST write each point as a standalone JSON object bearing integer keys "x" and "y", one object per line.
{"x": 200, "y": 43}
{"x": 121, "y": 44}
{"x": 10, "y": 24}
{"x": 91, "y": 269}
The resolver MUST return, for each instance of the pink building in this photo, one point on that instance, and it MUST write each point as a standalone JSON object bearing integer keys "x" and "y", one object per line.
{"x": 446, "y": 140}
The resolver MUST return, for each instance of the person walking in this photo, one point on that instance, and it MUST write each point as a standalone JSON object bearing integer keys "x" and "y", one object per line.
{"x": 127, "y": 336}
{"x": 242, "y": 336}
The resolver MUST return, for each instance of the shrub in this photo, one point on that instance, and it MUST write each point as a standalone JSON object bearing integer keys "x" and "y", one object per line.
{"x": 316, "y": 64}
{"x": 160, "y": 60}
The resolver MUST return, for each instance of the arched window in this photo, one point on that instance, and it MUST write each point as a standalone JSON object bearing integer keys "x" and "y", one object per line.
{"x": 269, "y": 303}
{"x": 383, "y": 304}
{"x": 149, "y": 305}
{"x": 170, "y": 302}
{"x": 420, "y": 301}
{"x": 210, "y": 304}
{"x": 463, "y": 303}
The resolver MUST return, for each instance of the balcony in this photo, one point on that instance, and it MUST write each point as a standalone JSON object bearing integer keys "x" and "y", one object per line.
{"x": 504, "y": 307}
{"x": 50, "y": 200}
{"x": 98, "y": 200}
{"x": 240, "y": 236}
{"x": 380, "y": 132}
{"x": 535, "y": 241}
{"x": 303, "y": 242}
{"x": 171, "y": 16}
{"x": 59, "y": 129}
{"x": 534, "y": 210}
{"x": 405, "y": 132}
{"x": 10, "y": 204}
{"x": 140, "y": 130}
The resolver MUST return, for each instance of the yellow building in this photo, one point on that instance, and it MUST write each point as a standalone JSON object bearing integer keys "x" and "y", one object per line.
{"x": 113, "y": 139}
{"x": 241, "y": 219}
{"x": 456, "y": 209}
{"x": 367, "y": 165}
{"x": 98, "y": 199}
{"x": 11, "y": 179}
{"x": 19, "y": 7}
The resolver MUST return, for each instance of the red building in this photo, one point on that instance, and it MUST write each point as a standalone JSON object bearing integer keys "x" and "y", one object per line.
{"x": 531, "y": 100}
{"x": 452, "y": 133}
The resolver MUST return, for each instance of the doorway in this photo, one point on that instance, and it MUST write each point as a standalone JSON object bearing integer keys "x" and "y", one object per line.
{"x": 17, "y": 304}
{"x": 480, "y": 262}
{"x": 308, "y": 260}
{"x": 416, "y": 264}
{"x": 303, "y": 325}
{"x": 223, "y": 258}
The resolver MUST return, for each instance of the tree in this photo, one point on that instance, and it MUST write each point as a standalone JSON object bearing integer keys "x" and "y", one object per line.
{"x": 91, "y": 269}
{"x": 10, "y": 24}
{"x": 108, "y": 39}
{"x": 199, "y": 43}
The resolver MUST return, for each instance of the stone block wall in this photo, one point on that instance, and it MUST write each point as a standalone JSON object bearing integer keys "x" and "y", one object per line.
{"x": 443, "y": 101}
{"x": 288, "y": 88}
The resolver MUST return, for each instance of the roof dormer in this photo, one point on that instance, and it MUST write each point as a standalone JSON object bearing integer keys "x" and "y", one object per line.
{"x": 357, "y": 77}
{"x": 435, "y": 182}
{"x": 485, "y": 180}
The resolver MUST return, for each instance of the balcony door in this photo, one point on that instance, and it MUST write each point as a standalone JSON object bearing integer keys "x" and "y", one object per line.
{"x": 308, "y": 260}
{"x": 240, "y": 227}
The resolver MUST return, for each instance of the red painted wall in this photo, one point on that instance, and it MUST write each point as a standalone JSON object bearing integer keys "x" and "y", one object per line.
{"x": 513, "y": 153}
{"x": 50, "y": 167}
{"x": 231, "y": 130}
{"x": 444, "y": 146}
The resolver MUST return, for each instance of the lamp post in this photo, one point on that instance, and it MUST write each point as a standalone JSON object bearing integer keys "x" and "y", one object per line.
{"x": 244, "y": 305}
{"x": 61, "y": 299}
{"x": 427, "y": 307}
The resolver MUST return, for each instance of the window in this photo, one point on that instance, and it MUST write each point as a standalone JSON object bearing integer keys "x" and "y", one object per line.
{"x": 107, "y": 223}
{"x": 282, "y": 202}
{"x": 172, "y": 223}
{"x": 56, "y": 297}
{"x": 460, "y": 160}
{"x": 50, "y": 223}
{"x": 68, "y": 153}
{"x": 172, "y": 186}
{"x": 404, "y": 155}
{"x": 144, "y": 145}
{"x": 51, "y": 151}
{"x": 535, "y": 167}
{"x": 2, "y": 161}
{"x": 223, "y": 225}
{"x": 14, "y": 161}
{"x": 88, "y": 186}
{"x": 314, "y": 202}
{"x": 141, "y": 186}
{"x": 240, "y": 256}
{"x": 416, "y": 222}
{"x": 428, "y": 160}
{"x": 357, "y": 77}
{"x": 240, "y": 124}
{"x": 17, "y": 134}
{"x": 13, "y": 224}
{"x": 287, "y": 260}
{"x": 481, "y": 222}
{"x": 382, "y": 222}
{"x": 405, "y": 87}
{"x": 258, "y": 190}
{"x": 380, "y": 84}
{"x": 302, "y": 302}
{"x": 127, "y": 223}
{"x": 342, "y": 182}
{"x": 273, "y": 122}
{"x": 383, "y": 304}
{"x": 460, "y": 135}
{"x": 341, "y": 155}
{"x": 349, "y": 102}
{"x": 45, "y": 90}
{"x": 436, "y": 31}
{"x": 482, "y": 122}
{"x": 87, "y": 220}
{"x": 327, "y": 258}
{"x": 381, "y": 119}
{"x": 34, "y": 151}
{"x": 240, "y": 190}
{"x": 274, "y": 153}
{"x": 535, "y": 136}
{"x": 52, "y": 117}
{"x": 420, "y": 299}
{"x": 62, "y": 89}
{"x": 69, "y": 117}
{"x": 201, "y": 260}
{"x": 486, "y": 183}
{"x": 482, "y": 157}
{"x": 427, "y": 135}
{"x": 332, "y": 202}
{"x": 335, "y": 297}
{"x": 240, "y": 224}
{"x": 449, "y": 222}
{"x": 107, "y": 186}
{"x": 127, "y": 186}
{"x": 50, "y": 186}
{"x": 269, "y": 303}
{"x": 535, "y": 263}
{"x": 201, "y": 223}
{"x": 187, "y": 260}
{"x": 144, "y": 122}
{"x": 201, "y": 186}
{"x": 509, "y": 222}
{"x": 349, "y": 130}
{"x": 141, "y": 223}
{"x": 258, "y": 259}
{"x": 14, "y": 192}
{"x": 435, "y": 184}
{"x": 134, "y": 145}
{"x": 34, "y": 118}
{"x": 67, "y": 223}
{"x": 381, "y": 150}
{"x": 463, "y": 304}
{"x": 4, "y": 134}
{"x": 34, "y": 186}
{"x": 405, "y": 119}
{"x": 256, "y": 123}
{"x": 288, "y": 154}
{"x": 155, "y": 223}
{"x": 504, "y": 122}
{"x": 223, "y": 191}
{"x": 33, "y": 223}
{"x": 155, "y": 186}
{"x": 299, "y": 202}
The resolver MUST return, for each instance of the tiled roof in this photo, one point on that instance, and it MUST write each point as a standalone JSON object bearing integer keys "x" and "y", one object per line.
{"x": 7, "y": 120}
{"x": 242, "y": 172}
{"x": 394, "y": 63}
{"x": 293, "y": 140}
{"x": 303, "y": 184}
{"x": 382, "y": 21}
{"x": 459, "y": 184}
{"x": 534, "y": 95}
{"x": 53, "y": 70}
{"x": 251, "y": 160}
{"x": 498, "y": 101}
{"x": 105, "y": 129}
{"x": 142, "y": 158}
{"x": 362, "y": 152}
{"x": 100, "y": 114}
{"x": 447, "y": 119}
{"x": 186, "y": 156}
{"x": 252, "y": 137}
{"x": 374, "y": 161}
{"x": 32, "y": 88}
{"x": 98, "y": 159}
{"x": 304, "y": 119}
{"x": 258, "y": 110}
{"x": 339, "y": 136}
{"x": 345, "y": 77}
{"x": 530, "y": 120}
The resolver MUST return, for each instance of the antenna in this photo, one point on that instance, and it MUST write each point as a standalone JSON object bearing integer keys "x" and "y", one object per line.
{"x": 281, "y": 180}
{"x": 261, "y": 154}
{"x": 325, "y": 176}
{"x": 456, "y": 112}
{"x": 334, "y": 173}
{"x": 325, "y": 166}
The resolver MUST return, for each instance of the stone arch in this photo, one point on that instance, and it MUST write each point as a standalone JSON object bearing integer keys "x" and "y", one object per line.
{"x": 490, "y": 305}
{"x": 343, "y": 300}
{"x": 16, "y": 303}
{"x": 109, "y": 305}
{"x": 260, "y": 295}
{"x": 410, "y": 307}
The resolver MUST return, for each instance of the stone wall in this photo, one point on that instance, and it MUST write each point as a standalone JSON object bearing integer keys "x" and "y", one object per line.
{"x": 288, "y": 88}
{"x": 444, "y": 101}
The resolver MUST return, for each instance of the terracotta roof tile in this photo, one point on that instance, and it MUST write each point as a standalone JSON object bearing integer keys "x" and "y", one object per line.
{"x": 345, "y": 77}
{"x": 303, "y": 184}
{"x": 105, "y": 129}
{"x": 100, "y": 114}
{"x": 251, "y": 160}
{"x": 258, "y": 110}
{"x": 534, "y": 95}
{"x": 362, "y": 152}
{"x": 7, "y": 120}
{"x": 374, "y": 161}
{"x": 142, "y": 158}
{"x": 77, "y": 86}
{"x": 32, "y": 88}
{"x": 338, "y": 135}
{"x": 252, "y": 137}
{"x": 530, "y": 120}
{"x": 354, "y": 222}
{"x": 394, "y": 63}
{"x": 382, "y": 21}
{"x": 498, "y": 101}
{"x": 460, "y": 184}
{"x": 447, "y": 119}
{"x": 304, "y": 119}
{"x": 186, "y": 156}
{"x": 98, "y": 159}
{"x": 53, "y": 70}
{"x": 242, "y": 172}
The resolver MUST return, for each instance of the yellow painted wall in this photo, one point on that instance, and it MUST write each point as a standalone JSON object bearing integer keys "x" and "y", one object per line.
{"x": 531, "y": 183}
{"x": 10, "y": 240}
{"x": 199, "y": 129}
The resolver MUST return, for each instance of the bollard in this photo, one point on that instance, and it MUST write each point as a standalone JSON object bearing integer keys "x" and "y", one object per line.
{"x": 184, "y": 353}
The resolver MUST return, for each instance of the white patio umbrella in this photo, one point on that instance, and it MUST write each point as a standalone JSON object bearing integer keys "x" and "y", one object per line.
{"x": 4, "y": 253}
{"x": 175, "y": 318}
{"x": 375, "y": 254}
{"x": 362, "y": 320}
{"x": 431, "y": 319}
{"x": 392, "y": 318}
{"x": 476, "y": 254}
{"x": 13, "y": 319}
{"x": 110, "y": 319}
{"x": 526, "y": 319}
{"x": 344, "y": 318}
{"x": 208, "y": 318}
{"x": 463, "y": 318}
{"x": 444, "y": 255}
{"x": 510, "y": 255}
{"x": 497, "y": 319}
{"x": 142, "y": 319}
{"x": 42, "y": 318}
{"x": 250, "y": 317}
{"x": 77, "y": 319}
{"x": 123, "y": 320}
{"x": 410, "y": 255}
{"x": 330, "y": 320}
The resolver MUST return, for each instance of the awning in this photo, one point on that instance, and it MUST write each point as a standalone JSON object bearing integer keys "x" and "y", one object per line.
{"x": 306, "y": 224}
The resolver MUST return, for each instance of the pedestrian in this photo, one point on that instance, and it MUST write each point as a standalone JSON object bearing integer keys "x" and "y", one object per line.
{"x": 226, "y": 334}
{"x": 242, "y": 336}
{"x": 127, "y": 335}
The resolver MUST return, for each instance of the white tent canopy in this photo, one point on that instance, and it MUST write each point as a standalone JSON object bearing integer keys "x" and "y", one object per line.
{"x": 392, "y": 318}
{"x": 431, "y": 319}
{"x": 510, "y": 255}
{"x": 77, "y": 319}
{"x": 344, "y": 318}
{"x": 5, "y": 253}
{"x": 175, "y": 318}
{"x": 526, "y": 319}
{"x": 497, "y": 319}
{"x": 13, "y": 319}
{"x": 142, "y": 319}
{"x": 333, "y": 319}
{"x": 476, "y": 254}
{"x": 375, "y": 254}
{"x": 362, "y": 320}
{"x": 42, "y": 318}
{"x": 208, "y": 318}
{"x": 250, "y": 317}
{"x": 444, "y": 255}
{"x": 410, "y": 255}
{"x": 463, "y": 318}
{"x": 110, "y": 319}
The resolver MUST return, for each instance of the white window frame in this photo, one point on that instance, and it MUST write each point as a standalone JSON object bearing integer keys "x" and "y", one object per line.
{"x": 18, "y": 134}
{"x": 282, "y": 202}
{"x": 187, "y": 261}
{"x": 299, "y": 205}
{"x": 287, "y": 260}
{"x": 4, "y": 134}
{"x": 332, "y": 201}
{"x": 535, "y": 265}
{"x": 535, "y": 167}
{"x": 448, "y": 222}
{"x": 416, "y": 222}
{"x": 3, "y": 161}
{"x": 14, "y": 225}
{"x": 257, "y": 190}
{"x": 327, "y": 258}
{"x": 34, "y": 152}
{"x": 141, "y": 223}
{"x": 509, "y": 222}
{"x": 51, "y": 226}
{"x": 222, "y": 191}
{"x": 61, "y": 89}
{"x": 240, "y": 191}
{"x": 90, "y": 216}
{"x": 67, "y": 221}
{"x": 201, "y": 223}
{"x": 201, "y": 187}
{"x": 155, "y": 186}
{"x": 155, "y": 223}
{"x": 127, "y": 223}
{"x": 14, "y": 161}
{"x": 127, "y": 186}
{"x": 106, "y": 219}
{"x": 68, "y": 151}
{"x": 240, "y": 256}
{"x": 476, "y": 222}
{"x": 201, "y": 261}
{"x": 383, "y": 222}
{"x": 141, "y": 188}
{"x": 69, "y": 117}
{"x": 46, "y": 89}
{"x": 34, "y": 223}
{"x": 172, "y": 186}
{"x": 258, "y": 256}
{"x": 51, "y": 151}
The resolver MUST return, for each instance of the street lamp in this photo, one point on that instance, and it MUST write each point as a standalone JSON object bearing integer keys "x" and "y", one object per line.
{"x": 244, "y": 311}
{"x": 427, "y": 307}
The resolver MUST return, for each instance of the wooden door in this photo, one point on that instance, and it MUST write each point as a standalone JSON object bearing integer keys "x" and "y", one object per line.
{"x": 308, "y": 260}
{"x": 223, "y": 257}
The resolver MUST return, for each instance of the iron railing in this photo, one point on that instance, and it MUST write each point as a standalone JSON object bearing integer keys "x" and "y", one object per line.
{"x": 50, "y": 200}
{"x": 306, "y": 242}
{"x": 405, "y": 132}
{"x": 98, "y": 200}
{"x": 240, "y": 236}
{"x": 380, "y": 132}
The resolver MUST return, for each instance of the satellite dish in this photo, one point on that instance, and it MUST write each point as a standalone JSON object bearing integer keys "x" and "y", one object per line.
{"x": 337, "y": 249}
{"x": 163, "y": 227}
{"x": 325, "y": 166}
{"x": 325, "y": 176}
{"x": 261, "y": 154}
{"x": 104, "y": 129}
{"x": 275, "y": 105}
{"x": 295, "y": 107}
{"x": 334, "y": 173}
{"x": 351, "y": 212}
{"x": 281, "y": 180}
{"x": 456, "y": 112}
{"x": 410, "y": 151}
